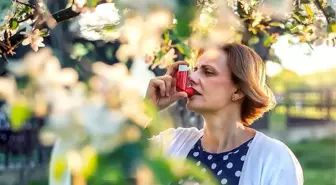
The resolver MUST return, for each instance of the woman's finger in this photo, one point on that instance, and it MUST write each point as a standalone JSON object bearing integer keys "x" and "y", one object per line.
{"x": 172, "y": 69}
{"x": 160, "y": 84}
{"x": 173, "y": 86}
{"x": 168, "y": 82}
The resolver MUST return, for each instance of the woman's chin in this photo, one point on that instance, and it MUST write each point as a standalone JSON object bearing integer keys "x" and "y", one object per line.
{"x": 193, "y": 106}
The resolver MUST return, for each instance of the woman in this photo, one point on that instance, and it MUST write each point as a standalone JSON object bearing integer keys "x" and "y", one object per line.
{"x": 230, "y": 94}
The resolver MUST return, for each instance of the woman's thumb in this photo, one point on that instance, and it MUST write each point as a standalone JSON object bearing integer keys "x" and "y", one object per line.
{"x": 179, "y": 95}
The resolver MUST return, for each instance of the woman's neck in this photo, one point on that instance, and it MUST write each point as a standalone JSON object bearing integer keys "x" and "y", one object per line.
{"x": 223, "y": 131}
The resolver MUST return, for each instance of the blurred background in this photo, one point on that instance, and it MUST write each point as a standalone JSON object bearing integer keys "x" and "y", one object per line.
{"x": 302, "y": 76}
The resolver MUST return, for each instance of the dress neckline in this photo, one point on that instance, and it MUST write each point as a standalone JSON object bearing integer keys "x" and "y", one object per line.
{"x": 199, "y": 144}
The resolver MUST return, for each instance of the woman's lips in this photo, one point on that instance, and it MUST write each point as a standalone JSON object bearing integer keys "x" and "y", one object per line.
{"x": 196, "y": 92}
{"x": 190, "y": 91}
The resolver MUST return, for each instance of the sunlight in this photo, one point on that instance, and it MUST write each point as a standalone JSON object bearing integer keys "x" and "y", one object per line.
{"x": 301, "y": 59}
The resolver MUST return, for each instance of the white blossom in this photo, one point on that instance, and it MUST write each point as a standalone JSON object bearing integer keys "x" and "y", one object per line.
{"x": 166, "y": 60}
{"x": 141, "y": 36}
{"x": 99, "y": 24}
{"x": 33, "y": 38}
{"x": 78, "y": 5}
{"x": 275, "y": 8}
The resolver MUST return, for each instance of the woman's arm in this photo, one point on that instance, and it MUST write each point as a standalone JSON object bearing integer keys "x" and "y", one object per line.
{"x": 288, "y": 171}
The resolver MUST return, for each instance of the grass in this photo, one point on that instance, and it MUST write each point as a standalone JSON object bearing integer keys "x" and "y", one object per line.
{"x": 318, "y": 160}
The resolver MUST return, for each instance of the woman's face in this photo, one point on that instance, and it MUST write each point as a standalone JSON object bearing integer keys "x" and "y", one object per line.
{"x": 211, "y": 78}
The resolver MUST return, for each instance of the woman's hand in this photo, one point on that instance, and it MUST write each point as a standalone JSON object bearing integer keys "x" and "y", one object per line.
{"x": 162, "y": 90}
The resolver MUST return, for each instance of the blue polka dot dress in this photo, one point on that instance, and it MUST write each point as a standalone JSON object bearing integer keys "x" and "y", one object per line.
{"x": 226, "y": 166}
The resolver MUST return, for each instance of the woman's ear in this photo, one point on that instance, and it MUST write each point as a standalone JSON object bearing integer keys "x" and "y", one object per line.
{"x": 238, "y": 95}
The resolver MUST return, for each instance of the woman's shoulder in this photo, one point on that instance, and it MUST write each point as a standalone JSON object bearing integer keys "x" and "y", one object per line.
{"x": 273, "y": 146}
{"x": 275, "y": 152}
{"x": 176, "y": 137}
{"x": 179, "y": 132}
{"x": 275, "y": 158}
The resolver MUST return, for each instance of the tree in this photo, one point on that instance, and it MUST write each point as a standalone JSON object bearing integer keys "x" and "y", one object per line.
{"x": 311, "y": 21}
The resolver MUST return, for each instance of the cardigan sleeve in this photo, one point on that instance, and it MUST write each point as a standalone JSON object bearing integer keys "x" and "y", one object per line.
{"x": 287, "y": 171}
{"x": 163, "y": 140}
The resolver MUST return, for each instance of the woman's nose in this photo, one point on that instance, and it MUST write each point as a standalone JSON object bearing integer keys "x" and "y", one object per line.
{"x": 193, "y": 79}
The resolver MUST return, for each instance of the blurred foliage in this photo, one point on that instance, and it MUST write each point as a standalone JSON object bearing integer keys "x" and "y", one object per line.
{"x": 286, "y": 80}
{"x": 289, "y": 80}
{"x": 318, "y": 160}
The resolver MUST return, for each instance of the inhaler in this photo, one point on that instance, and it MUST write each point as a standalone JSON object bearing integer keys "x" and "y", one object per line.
{"x": 182, "y": 80}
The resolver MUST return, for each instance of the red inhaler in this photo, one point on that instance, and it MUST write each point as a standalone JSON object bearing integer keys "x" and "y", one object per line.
{"x": 182, "y": 80}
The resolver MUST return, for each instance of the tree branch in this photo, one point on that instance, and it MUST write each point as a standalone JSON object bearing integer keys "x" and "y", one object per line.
{"x": 25, "y": 19}
{"x": 319, "y": 6}
{"x": 59, "y": 16}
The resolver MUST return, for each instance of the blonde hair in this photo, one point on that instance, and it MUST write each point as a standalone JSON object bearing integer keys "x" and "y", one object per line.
{"x": 248, "y": 72}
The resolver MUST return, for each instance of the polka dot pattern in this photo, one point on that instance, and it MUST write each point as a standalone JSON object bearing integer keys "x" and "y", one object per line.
{"x": 224, "y": 181}
{"x": 229, "y": 165}
{"x": 213, "y": 166}
{"x": 226, "y": 166}
{"x": 238, "y": 173}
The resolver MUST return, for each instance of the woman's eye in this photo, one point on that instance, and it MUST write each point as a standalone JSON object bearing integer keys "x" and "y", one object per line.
{"x": 208, "y": 72}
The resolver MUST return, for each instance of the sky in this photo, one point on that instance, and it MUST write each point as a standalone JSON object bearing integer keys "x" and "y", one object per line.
{"x": 295, "y": 57}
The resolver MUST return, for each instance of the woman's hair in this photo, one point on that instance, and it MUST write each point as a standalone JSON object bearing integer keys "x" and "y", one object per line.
{"x": 248, "y": 72}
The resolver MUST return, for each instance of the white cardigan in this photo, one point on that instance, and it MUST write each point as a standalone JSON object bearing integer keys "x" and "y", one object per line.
{"x": 268, "y": 161}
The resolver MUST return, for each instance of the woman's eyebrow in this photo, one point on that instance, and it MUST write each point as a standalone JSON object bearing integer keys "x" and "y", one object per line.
{"x": 207, "y": 66}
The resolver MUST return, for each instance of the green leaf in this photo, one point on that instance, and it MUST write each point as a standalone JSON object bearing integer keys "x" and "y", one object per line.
{"x": 305, "y": 1}
{"x": 294, "y": 29}
{"x": 300, "y": 17}
{"x": 268, "y": 41}
{"x": 161, "y": 170}
{"x": 184, "y": 15}
{"x": 158, "y": 56}
{"x": 44, "y": 32}
{"x": 166, "y": 36}
{"x": 277, "y": 24}
{"x": 254, "y": 31}
{"x": 20, "y": 113}
{"x": 79, "y": 50}
{"x": 332, "y": 28}
{"x": 184, "y": 49}
{"x": 13, "y": 24}
{"x": 92, "y": 3}
{"x": 253, "y": 40}
{"x": 309, "y": 11}
{"x": 109, "y": 28}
